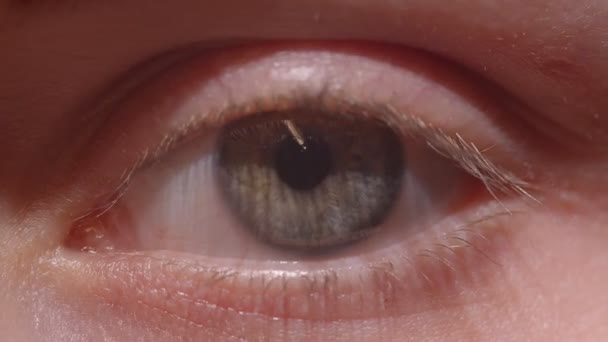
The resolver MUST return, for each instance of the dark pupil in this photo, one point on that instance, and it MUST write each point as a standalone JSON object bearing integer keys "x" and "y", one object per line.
{"x": 303, "y": 165}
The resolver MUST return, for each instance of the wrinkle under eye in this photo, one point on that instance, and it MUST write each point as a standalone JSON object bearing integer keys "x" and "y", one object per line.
{"x": 310, "y": 179}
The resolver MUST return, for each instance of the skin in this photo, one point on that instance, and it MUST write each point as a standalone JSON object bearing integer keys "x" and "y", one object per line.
{"x": 58, "y": 62}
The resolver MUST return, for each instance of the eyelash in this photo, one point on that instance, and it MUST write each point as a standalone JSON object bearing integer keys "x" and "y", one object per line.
{"x": 464, "y": 154}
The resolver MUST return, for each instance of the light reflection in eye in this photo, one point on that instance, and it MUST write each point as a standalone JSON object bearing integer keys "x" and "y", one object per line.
{"x": 174, "y": 201}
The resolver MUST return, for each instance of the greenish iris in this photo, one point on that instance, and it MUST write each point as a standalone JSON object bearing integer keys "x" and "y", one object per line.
{"x": 310, "y": 179}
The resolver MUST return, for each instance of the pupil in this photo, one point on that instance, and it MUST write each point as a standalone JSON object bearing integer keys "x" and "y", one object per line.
{"x": 303, "y": 166}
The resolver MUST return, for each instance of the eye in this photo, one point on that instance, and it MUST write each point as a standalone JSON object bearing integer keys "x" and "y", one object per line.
{"x": 302, "y": 180}
{"x": 269, "y": 173}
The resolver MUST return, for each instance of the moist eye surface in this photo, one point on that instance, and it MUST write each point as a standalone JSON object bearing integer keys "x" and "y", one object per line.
{"x": 308, "y": 179}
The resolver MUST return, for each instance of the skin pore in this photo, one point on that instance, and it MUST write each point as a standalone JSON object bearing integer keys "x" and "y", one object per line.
{"x": 80, "y": 82}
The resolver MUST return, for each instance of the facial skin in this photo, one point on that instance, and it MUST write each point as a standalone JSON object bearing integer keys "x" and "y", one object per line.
{"x": 74, "y": 114}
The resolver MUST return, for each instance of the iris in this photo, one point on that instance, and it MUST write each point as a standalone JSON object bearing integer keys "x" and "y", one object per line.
{"x": 308, "y": 179}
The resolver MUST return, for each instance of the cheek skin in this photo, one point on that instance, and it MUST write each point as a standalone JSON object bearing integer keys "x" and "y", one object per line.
{"x": 549, "y": 287}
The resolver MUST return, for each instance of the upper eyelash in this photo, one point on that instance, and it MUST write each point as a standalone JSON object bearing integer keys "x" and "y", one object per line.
{"x": 463, "y": 153}
{"x": 454, "y": 147}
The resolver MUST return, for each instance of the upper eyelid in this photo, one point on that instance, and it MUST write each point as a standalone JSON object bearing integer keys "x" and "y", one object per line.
{"x": 521, "y": 51}
{"x": 465, "y": 154}
{"x": 186, "y": 117}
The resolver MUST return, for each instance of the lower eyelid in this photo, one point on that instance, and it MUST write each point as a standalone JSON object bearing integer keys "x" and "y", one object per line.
{"x": 443, "y": 272}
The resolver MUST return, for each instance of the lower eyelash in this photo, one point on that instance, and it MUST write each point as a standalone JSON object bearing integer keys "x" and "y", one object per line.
{"x": 465, "y": 258}
{"x": 433, "y": 274}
